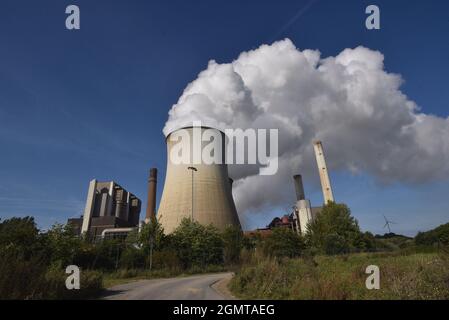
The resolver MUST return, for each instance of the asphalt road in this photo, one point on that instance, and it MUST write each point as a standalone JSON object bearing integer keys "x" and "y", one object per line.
{"x": 188, "y": 288}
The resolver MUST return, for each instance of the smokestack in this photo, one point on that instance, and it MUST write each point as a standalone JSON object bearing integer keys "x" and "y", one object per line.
{"x": 151, "y": 205}
{"x": 303, "y": 209}
{"x": 299, "y": 187}
{"x": 324, "y": 175}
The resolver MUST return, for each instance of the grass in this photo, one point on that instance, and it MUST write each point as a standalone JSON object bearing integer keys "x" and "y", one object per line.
{"x": 403, "y": 275}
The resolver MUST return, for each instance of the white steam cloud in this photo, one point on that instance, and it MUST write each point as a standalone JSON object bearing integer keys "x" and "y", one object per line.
{"x": 349, "y": 102}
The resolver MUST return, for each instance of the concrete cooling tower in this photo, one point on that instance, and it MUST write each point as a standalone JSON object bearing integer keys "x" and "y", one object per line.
{"x": 195, "y": 189}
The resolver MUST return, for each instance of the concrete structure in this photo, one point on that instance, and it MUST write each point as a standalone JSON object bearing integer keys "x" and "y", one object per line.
{"x": 324, "y": 175}
{"x": 151, "y": 205}
{"x": 108, "y": 206}
{"x": 299, "y": 187}
{"x": 194, "y": 188}
{"x": 303, "y": 210}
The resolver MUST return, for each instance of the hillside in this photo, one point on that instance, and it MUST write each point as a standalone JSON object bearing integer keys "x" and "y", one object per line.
{"x": 437, "y": 236}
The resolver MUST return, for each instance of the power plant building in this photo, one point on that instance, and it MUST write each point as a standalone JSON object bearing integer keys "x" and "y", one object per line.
{"x": 194, "y": 189}
{"x": 304, "y": 213}
{"x": 109, "y": 209}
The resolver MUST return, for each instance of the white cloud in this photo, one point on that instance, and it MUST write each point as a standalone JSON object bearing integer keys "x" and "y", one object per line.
{"x": 349, "y": 102}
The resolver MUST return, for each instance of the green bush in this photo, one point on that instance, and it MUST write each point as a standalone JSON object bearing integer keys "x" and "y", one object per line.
{"x": 437, "y": 236}
{"x": 197, "y": 245}
{"x": 91, "y": 285}
{"x": 335, "y": 244}
{"x": 283, "y": 242}
{"x": 233, "y": 244}
{"x": 21, "y": 278}
{"x": 132, "y": 258}
{"x": 21, "y": 236}
{"x": 166, "y": 259}
{"x": 335, "y": 223}
{"x": 33, "y": 279}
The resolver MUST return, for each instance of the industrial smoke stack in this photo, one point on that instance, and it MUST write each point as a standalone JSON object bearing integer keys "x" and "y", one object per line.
{"x": 299, "y": 187}
{"x": 303, "y": 209}
{"x": 151, "y": 205}
{"x": 196, "y": 190}
{"x": 324, "y": 175}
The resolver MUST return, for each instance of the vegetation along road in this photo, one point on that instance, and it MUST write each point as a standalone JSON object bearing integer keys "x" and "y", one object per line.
{"x": 201, "y": 287}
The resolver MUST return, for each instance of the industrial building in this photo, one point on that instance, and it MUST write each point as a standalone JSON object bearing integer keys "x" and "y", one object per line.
{"x": 199, "y": 191}
{"x": 196, "y": 190}
{"x": 303, "y": 213}
{"x": 110, "y": 210}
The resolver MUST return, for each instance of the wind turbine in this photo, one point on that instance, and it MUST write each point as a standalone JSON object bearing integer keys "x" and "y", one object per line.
{"x": 387, "y": 224}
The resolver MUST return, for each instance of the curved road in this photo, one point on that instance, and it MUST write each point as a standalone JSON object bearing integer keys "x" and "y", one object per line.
{"x": 189, "y": 288}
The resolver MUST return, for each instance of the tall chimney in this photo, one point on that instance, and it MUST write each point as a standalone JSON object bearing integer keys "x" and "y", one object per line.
{"x": 299, "y": 187}
{"x": 324, "y": 175}
{"x": 151, "y": 205}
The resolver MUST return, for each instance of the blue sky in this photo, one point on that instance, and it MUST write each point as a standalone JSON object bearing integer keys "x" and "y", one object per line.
{"x": 77, "y": 105}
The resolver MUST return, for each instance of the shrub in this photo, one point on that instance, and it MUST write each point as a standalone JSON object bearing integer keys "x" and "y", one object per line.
{"x": 20, "y": 278}
{"x": 91, "y": 284}
{"x": 166, "y": 259}
{"x": 335, "y": 244}
{"x": 233, "y": 243}
{"x": 62, "y": 244}
{"x": 437, "y": 236}
{"x": 33, "y": 279}
{"x": 19, "y": 235}
{"x": 335, "y": 223}
{"x": 196, "y": 244}
{"x": 283, "y": 242}
{"x": 132, "y": 258}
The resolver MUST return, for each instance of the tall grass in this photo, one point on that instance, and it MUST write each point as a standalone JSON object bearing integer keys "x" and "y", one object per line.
{"x": 402, "y": 276}
{"x": 34, "y": 279}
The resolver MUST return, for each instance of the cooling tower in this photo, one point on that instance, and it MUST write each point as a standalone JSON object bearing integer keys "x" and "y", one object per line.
{"x": 196, "y": 189}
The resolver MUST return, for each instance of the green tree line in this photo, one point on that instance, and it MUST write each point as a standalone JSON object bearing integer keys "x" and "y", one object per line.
{"x": 32, "y": 262}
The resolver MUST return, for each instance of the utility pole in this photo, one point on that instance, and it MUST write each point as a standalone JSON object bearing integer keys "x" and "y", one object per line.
{"x": 193, "y": 169}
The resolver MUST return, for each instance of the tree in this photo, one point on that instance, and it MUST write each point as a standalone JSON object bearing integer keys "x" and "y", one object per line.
{"x": 334, "y": 231}
{"x": 64, "y": 245}
{"x": 283, "y": 242}
{"x": 438, "y": 236}
{"x": 19, "y": 236}
{"x": 151, "y": 238}
{"x": 197, "y": 245}
{"x": 233, "y": 243}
